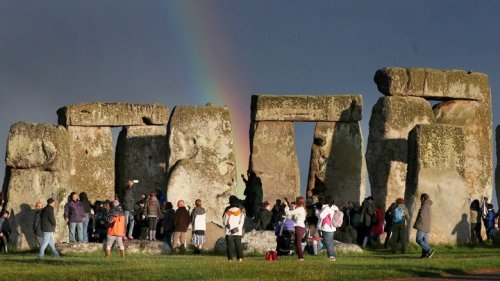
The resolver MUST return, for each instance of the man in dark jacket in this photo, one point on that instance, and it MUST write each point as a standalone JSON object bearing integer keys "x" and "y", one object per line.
{"x": 74, "y": 214}
{"x": 129, "y": 207}
{"x": 182, "y": 219}
{"x": 5, "y": 230}
{"x": 423, "y": 226}
{"x": 37, "y": 225}
{"x": 367, "y": 220}
{"x": 48, "y": 225}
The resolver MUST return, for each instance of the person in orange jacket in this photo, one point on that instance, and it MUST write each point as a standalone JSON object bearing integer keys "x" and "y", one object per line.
{"x": 116, "y": 229}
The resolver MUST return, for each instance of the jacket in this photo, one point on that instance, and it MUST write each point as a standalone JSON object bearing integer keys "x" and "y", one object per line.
{"x": 152, "y": 207}
{"x": 48, "y": 219}
{"x": 326, "y": 211}
{"x": 298, "y": 215}
{"x": 5, "y": 226}
{"x": 233, "y": 221}
{"x": 128, "y": 198}
{"x": 406, "y": 214}
{"x": 198, "y": 219}
{"x": 168, "y": 221}
{"x": 74, "y": 212}
{"x": 423, "y": 221}
{"x": 182, "y": 219}
{"x": 37, "y": 224}
{"x": 116, "y": 223}
{"x": 84, "y": 200}
{"x": 367, "y": 213}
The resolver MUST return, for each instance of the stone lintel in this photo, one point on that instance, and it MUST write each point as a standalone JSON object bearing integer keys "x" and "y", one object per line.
{"x": 346, "y": 108}
{"x": 97, "y": 114}
{"x": 432, "y": 83}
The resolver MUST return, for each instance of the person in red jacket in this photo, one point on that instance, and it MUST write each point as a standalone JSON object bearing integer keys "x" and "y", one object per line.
{"x": 378, "y": 226}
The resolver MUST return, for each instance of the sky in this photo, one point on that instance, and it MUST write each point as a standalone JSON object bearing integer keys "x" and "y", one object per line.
{"x": 54, "y": 53}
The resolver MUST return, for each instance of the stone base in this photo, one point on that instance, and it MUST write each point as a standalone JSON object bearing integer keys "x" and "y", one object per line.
{"x": 131, "y": 247}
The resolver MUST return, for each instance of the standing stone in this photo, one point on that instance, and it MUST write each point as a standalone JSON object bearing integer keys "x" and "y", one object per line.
{"x": 436, "y": 166}
{"x": 497, "y": 170}
{"x": 274, "y": 159}
{"x": 475, "y": 117}
{"x": 92, "y": 168}
{"x": 141, "y": 153}
{"x": 386, "y": 156}
{"x": 337, "y": 162}
{"x": 97, "y": 114}
{"x": 37, "y": 159}
{"x": 201, "y": 161}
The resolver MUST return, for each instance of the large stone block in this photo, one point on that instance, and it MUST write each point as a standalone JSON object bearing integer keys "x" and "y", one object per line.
{"x": 41, "y": 146}
{"x": 307, "y": 108}
{"x": 141, "y": 153}
{"x": 274, "y": 159}
{"x": 386, "y": 156}
{"x": 432, "y": 83}
{"x": 476, "y": 118}
{"x": 497, "y": 169}
{"x": 92, "y": 168}
{"x": 337, "y": 164}
{"x": 201, "y": 158}
{"x": 25, "y": 188}
{"x": 112, "y": 114}
{"x": 437, "y": 167}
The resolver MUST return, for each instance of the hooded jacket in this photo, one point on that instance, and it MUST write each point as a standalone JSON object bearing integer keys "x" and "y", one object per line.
{"x": 423, "y": 221}
{"x": 198, "y": 218}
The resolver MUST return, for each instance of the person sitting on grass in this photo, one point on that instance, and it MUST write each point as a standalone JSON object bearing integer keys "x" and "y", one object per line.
{"x": 116, "y": 229}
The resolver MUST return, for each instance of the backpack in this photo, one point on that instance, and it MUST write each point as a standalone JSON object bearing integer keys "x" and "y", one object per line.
{"x": 397, "y": 216}
{"x": 327, "y": 221}
{"x": 338, "y": 218}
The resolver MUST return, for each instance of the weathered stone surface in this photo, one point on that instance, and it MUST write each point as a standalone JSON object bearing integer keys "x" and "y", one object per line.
{"x": 141, "y": 153}
{"x": 201, "y": 162}
{"x": 432, "y": 83}
{"x": 497, "y": 169}
{"x": 337, "y": 166}
{"x": 26, "y": 187}
{"x": 41, "y": 146}
{"x": 92, "y": 168}
{"x": 476, "y": 118}
{"x": 77, "y": 248}
{"x": 131, "y": 247}
{"x": 436, "y": 166}
{"x": 274, "y": 159}
{"x": 386, "y": 156}
{"x": 347, "y": 248}
{"x": 112, "y": 114}
{"x": 307, "y": 108}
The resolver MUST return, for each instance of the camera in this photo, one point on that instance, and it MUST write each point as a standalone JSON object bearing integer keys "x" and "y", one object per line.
{"x": 135, "y": 181}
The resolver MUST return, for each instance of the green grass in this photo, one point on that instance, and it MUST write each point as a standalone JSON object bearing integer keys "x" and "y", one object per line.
{"x": 366, "y": 266}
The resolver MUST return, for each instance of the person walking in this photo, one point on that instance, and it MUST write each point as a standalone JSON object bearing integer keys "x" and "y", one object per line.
{"x": 5, "y": 231}
{"x": 129, "y": 208}
{"x": 325, "y": 225}
{"x": 48, "y": 227}
{"x": 182, "y": 219}
{"x": 298, "y": 216}
{"x": 74, "y": 214}
{"x": 152, "y": 212}
{"x": 423, "y": 226}
{"x": 233, "y": 221}
{"x": 37, "y": 225}
{"x": 400, "y": 216}
{"x": 116, "y": 229}
{"x": 198, "y": 221}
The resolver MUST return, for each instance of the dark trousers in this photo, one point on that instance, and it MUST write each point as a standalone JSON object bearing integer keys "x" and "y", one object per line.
{"x": 387, "y": 238}
{"x": 4, "y": 243}
{"x": 299, "y": 234}
{"x": 398, "y": 236}
{"x": 475, "y": 233}
{"x": 233, "y": 243}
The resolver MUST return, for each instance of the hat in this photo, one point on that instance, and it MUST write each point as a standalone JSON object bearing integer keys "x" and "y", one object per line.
{"x": 50, "y": 200}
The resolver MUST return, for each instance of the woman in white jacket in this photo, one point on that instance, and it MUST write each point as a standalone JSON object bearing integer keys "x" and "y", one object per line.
{"x": 325, "y": 225}
{"x": 233, "y": 220}
{"x": 298, "y": 216}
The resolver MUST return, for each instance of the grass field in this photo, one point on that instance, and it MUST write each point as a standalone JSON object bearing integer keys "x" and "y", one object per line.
{"x": 366, "y": 266}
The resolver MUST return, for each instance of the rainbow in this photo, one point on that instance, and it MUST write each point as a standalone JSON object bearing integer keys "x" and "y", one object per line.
{"x": 213, "y": 68}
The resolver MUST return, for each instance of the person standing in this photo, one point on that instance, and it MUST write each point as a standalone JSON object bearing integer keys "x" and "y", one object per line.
{"x": 298, "y": 216}
{"x": 87, "y": 207}
{"x": 475, "y": 222}
{"x": 423, "y": 226}
{"x": 367, "y": 220}
{"x": 37, "y": 225}
{"x": 74, "y": 214}
{"x": 233, "y": 221}
{"x": 48, "y": 227}
{"x": 388, "y": 224}
{"x": 400, "y": 216}
{"x": 182, "y": 219}
{"x": 152, "y": 212}
{"x": 198, "y": 221}
{"x": 5, "y": 230}
{"x": 129, "y": 208}
{"x": 325, "y": 225}
{"x": 116, "y": 229}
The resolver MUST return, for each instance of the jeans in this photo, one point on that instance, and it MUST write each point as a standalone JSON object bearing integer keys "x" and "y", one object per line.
{"x": 232, "y": 242}
{"x": 328, "y": 242}
{"x": 48, "y": 240}
{"x": 85, "y": 227}
{"x": 78, "y": 226}
{"x": 422, "y": 240}
{"x": 129, "y": 222}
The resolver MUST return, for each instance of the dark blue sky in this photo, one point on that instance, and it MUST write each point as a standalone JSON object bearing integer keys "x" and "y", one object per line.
{"x": 54, "y": 53}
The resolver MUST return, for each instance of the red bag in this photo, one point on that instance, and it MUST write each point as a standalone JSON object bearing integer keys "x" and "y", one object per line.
{"x": 271, "y": 256}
